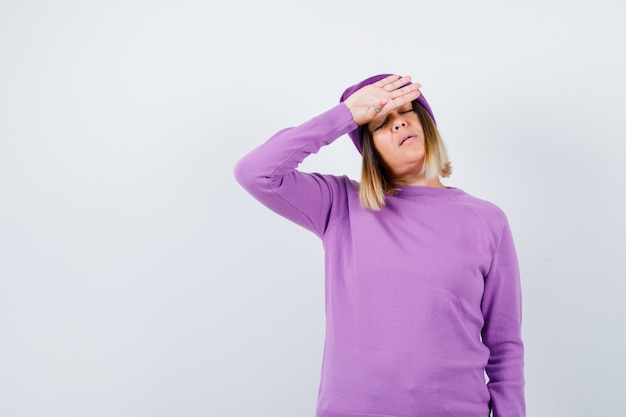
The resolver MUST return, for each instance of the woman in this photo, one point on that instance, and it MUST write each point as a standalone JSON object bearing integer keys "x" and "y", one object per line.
{"x": 422, "y": 283}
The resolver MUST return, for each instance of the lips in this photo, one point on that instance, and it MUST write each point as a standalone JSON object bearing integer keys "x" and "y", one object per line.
{"x": 405, "y": 139}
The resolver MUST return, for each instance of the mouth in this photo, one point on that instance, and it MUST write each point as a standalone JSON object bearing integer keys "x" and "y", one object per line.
{"x": 407, "y": 138}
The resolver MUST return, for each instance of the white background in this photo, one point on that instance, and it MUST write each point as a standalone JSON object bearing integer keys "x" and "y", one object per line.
{"x": 138, "y": 279}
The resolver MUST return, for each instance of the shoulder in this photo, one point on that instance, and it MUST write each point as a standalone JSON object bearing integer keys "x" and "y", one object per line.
{"x": 486, "y": 211}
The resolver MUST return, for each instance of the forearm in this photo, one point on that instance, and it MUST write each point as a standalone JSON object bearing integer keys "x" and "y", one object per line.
{"x": 269, "y": 172}
{"x": 279, "y": 156}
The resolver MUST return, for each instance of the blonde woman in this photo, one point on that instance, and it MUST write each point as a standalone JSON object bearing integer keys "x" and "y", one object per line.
{"x": 422, "y": 286}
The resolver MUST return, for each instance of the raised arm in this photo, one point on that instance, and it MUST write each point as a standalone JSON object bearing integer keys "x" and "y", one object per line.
{"x": 270, "y": 172}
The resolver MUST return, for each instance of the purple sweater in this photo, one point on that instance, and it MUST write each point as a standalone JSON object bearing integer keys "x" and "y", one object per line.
{"x": 422, "y": 297}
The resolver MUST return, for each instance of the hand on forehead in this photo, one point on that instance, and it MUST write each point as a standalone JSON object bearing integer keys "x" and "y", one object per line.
{"x": 381, "y": 97}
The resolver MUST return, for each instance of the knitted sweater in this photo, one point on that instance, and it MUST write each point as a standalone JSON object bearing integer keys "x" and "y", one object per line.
{"x": 422, "y": 297}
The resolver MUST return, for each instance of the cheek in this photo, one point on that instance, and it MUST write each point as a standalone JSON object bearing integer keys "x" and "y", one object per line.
{"x": 385, "y": 152}
{"x": 381, "y": 139}
{"x": 381, "y": 145}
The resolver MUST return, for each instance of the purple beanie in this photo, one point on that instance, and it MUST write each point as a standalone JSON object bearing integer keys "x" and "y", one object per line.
{"x": 355, "y": 135}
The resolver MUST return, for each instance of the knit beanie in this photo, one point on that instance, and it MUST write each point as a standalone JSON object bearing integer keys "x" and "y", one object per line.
{"x": 355, "y": 134}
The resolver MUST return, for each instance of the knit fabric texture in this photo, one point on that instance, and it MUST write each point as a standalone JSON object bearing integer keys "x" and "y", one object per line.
{"x": 422, "y": 298}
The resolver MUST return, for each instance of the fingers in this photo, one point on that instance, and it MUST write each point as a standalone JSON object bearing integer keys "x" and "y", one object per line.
{"x": 398, "y": 84}
{"x": 385, "y": 82}
{"x": 408, "y": 91}
{"x": 399, "y": 98}
{"x": 378, "y": 106}
{"x": 393, "y": 82}
{"x": 398, "y": 87}
{"x": 381, "y": 98}
{"x": 406, "y": 98}
{"x": 381, "y": 103}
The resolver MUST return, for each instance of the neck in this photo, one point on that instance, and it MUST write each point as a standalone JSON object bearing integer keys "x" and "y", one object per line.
{"x": 419, "y": 180}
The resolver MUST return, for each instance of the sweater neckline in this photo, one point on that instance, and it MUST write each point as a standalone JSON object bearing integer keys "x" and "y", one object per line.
{"x": 422, "y": 190}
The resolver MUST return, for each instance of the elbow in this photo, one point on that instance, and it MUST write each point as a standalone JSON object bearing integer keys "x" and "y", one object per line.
{"x": 244, "y": 173}
{"x": 249, "y": 175}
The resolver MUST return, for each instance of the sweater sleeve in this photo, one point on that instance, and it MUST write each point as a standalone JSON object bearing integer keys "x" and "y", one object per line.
{"x": 269, "y": 172}
{"x": 502, "y": 310}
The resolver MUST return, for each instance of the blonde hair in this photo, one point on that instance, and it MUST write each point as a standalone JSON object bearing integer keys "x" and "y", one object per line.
{"x": 376, "y": 181}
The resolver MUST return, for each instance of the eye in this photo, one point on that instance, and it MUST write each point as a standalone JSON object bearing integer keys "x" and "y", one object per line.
{"x": 408, "y": 111}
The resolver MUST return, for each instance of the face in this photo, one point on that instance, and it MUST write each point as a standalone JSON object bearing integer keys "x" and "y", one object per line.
{"x": 399, "y": 139}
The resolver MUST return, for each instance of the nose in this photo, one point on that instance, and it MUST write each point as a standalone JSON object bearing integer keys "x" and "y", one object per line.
{"x": 398, "y": 123}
